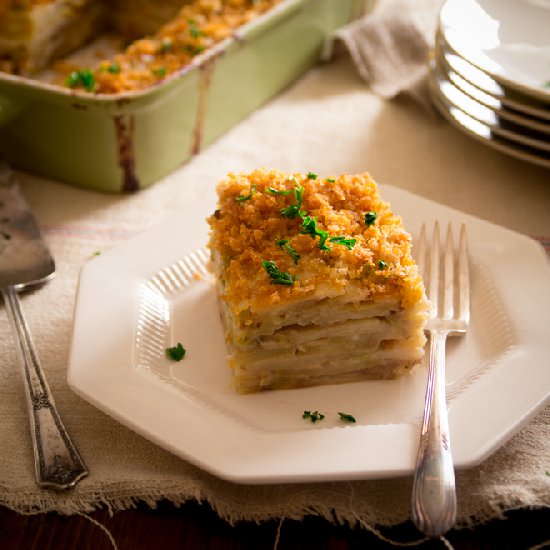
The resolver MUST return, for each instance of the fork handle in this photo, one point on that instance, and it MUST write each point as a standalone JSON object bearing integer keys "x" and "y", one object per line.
{"x": 58, "y": 464}
{"x": 434, "y": 495}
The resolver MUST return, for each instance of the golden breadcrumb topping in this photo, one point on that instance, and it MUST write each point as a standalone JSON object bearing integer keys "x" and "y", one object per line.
{"x": 286, "y": 237}
{"x": 150, "y": 60}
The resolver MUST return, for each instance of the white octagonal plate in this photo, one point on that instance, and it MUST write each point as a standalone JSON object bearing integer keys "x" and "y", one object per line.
{"x": 145, "y": 295}
{"x": 508, "y": 39}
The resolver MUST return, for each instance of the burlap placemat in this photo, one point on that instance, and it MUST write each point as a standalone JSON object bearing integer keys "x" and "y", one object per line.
{"x": 328, "y": 122}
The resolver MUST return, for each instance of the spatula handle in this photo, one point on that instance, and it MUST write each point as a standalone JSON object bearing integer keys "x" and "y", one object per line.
{"x": 58, "y": 464}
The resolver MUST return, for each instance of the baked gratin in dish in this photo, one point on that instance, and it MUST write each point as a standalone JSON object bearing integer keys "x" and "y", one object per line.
{"x": 316, "y": 281}
{"x": 147, "y": 39}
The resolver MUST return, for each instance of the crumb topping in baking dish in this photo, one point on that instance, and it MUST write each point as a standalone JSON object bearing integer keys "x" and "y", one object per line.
{"x": 146, "y": 61}
{"x": 282, "y": 237}
{"x": 33, "y": 34}
{"x": 197, "y": 27}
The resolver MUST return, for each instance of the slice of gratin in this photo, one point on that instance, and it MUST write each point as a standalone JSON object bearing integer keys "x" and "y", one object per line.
{"x": 317, "y": 284}
{"x": 35, "y": 32}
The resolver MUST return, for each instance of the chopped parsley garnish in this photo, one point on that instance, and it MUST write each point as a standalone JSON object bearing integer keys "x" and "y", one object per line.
{"x": 331, "y": 180}
{"x": 309, "y": 227}
{"x": 277, "y": 276}
{"x": 347, "y": 417}
{"x": 292, "y": 253}
{"x": 273, "y": 191}
{"x": 309, "y": 223}
{"x": 313, "y": 416}
{"x": 242, "y": 198}
{"x": 194, "y": 49}
{"x": 382, "y": 264}
{"x": 113, "y": 68}
{"x": 294, "y": 210}
{"x": 283, "y": 243}
{"x": 159, "y": 71}
{"x": 176, "y": 353}
{"x": 348, "y": 243}
{"x": 166, "y": 45}
{"x": 370, "y": 218}
{"x": 547, "y": 85}
{"x": 84, "y": 78}
{"x": 195, "y": 33}
{"x": 290, "y": 211}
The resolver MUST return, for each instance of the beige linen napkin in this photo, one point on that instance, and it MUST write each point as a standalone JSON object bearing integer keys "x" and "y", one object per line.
{"x": 390, "y": 47}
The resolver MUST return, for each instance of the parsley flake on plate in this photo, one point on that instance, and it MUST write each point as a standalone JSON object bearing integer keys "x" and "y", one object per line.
{"x": 313, "y": 416}
{"x": 176, "y": 353}
{"x": 345, "y": 417}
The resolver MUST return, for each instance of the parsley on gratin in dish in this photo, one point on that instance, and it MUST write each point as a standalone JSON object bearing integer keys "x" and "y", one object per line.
{"x": 156, "y": 38}
{"x": 316, "y": 281}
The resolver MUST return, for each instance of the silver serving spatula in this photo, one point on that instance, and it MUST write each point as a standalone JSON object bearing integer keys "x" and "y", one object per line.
{"x": 25, "y": 261}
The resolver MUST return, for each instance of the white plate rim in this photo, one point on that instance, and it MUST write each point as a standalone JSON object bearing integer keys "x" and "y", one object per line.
{"x": 447, "y": 24}
{"x": 441, "y": 71}
{"x": 437, "y": 81}
{"x": 525, "y": 104}
{"x": 499, "y": 143}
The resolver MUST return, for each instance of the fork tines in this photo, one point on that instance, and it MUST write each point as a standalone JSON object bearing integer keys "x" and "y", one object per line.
{"x": 446, "y": 275}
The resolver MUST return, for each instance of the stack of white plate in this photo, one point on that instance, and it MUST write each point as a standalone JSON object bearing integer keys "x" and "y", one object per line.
{"x": 490, "y": 73}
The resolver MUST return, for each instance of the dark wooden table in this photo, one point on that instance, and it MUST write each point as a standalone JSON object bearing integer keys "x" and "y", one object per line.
{"x": 196, "y": 526}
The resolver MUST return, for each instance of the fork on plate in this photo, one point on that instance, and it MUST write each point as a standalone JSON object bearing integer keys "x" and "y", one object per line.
{"x": 446, "y": 274}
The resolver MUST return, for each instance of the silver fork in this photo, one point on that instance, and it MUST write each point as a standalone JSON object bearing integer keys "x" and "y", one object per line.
{"x": 448, "y": 289}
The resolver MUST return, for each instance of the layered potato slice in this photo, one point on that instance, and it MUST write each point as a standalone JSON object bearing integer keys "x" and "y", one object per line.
{"x": 316, "y": 281}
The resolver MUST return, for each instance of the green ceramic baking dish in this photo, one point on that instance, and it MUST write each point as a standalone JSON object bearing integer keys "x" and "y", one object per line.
{"x": 125, "y": 142}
